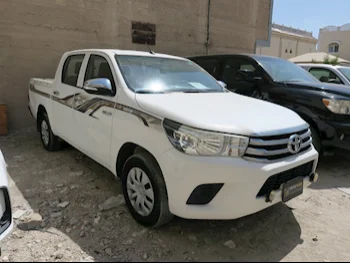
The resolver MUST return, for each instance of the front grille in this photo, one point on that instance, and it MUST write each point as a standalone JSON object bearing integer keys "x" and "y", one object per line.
{"x": 274, "y": 182}
{"x": 271, "y": 148}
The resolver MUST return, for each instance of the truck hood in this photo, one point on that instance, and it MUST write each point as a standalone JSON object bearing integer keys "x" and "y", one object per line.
{"x": 223, "y": 112}
{"x": 337, "y": 89}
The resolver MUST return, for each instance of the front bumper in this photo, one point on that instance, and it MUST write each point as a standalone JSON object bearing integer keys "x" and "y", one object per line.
{"x": 336, "y": 135}
{"x": 240, "y": 181}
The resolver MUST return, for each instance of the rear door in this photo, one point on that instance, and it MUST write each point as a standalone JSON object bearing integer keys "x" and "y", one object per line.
{"x": 64, "y": 90}
{"x": 93, "y": 113}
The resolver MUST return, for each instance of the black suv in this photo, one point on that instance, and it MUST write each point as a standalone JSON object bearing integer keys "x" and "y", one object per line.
{"x": 326, "y": 107}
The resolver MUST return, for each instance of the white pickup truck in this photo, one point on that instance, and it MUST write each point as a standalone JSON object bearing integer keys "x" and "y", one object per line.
{"x": 6, "y": 220}
{"x": 180, "y": 142}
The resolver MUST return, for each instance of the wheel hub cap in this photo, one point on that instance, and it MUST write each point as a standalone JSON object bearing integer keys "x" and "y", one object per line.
{"x": 140, "y": 191}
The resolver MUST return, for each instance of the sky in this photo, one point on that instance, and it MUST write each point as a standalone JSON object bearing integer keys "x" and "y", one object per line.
{"x": 311, "y": 15}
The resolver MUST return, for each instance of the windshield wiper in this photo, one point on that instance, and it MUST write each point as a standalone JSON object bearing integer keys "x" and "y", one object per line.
{"x": 192, "y": 91}
{"x": 173, "y": 91}
{"x": 148, "y": 92}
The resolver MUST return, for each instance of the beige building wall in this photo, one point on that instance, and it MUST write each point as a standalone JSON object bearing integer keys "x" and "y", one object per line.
{"x": 335, "y": 35}
{"x": 35, "y": 33}
{"x": 287, "y": 45}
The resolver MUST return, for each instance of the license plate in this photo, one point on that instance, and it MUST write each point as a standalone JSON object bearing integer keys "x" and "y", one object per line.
{"x": 292, "y": 189}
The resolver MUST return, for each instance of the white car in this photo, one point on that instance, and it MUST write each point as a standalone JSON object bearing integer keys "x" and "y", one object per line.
{"x": 6, "y": 221}
{"x": 180, "y": 142}
{"x": 328, "y": 73}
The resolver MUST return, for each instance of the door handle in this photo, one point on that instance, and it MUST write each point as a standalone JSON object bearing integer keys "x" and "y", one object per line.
{"x": 108, "y": 113}
{"x": 56, "y": 93}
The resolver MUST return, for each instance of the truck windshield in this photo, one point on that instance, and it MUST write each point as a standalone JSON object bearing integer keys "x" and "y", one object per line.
{"x": 282, "y": 70}
{"x": 165, "y": 75}
{"x": 345, "y": 72}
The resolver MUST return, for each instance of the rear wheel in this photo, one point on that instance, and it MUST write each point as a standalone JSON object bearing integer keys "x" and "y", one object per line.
{"x": 145, "y": 191}
{"x": 48, "y": 139}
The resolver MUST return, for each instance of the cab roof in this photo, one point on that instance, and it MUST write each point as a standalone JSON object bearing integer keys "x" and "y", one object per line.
{"x": 126, "y": 52}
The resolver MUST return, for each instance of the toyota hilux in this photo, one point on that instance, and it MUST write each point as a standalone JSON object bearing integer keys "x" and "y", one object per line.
{"x": 180, "y": 142}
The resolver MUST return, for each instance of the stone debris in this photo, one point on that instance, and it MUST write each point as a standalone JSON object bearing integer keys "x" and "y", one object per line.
{"x": 108, "y": 251}
{"x": 48, "y": 191}
{"x": 74, "y": 174}
{"x": 192, "y": 238}
{"x": 112, "y": 202}
{"x": 19, "y": 213}
{"x": 63, "y": 205}
{"x": 230, "y": 244}
{"x": 56, "y": 214}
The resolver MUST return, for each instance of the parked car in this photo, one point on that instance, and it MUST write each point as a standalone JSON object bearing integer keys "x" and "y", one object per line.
{"x": 181, "y": 143}
{"x": 6, "y": 221}
{"x": 326, "y": 107}
{"x": 328, "y": 73}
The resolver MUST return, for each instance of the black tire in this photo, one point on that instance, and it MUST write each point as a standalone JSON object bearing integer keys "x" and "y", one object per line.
{"x": 316, "y": 140}
{"x": 53, "y": 143}
{"x": 160, "y": 213}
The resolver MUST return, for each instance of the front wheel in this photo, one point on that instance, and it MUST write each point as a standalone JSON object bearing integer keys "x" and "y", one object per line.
{"x": 48, "y": 139}
{"x": 145, "y": 191}
{"x": 316, "y": 139}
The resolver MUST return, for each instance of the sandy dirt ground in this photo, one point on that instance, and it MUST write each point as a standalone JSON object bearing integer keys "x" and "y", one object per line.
{"x": 57, "y": 200}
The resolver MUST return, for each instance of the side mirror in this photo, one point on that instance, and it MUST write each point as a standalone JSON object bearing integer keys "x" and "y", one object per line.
{"x": 101, "y": 86}
{"x": 222, "y": 84}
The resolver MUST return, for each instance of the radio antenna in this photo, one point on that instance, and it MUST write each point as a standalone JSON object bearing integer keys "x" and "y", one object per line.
{"x": 150, "y": 50}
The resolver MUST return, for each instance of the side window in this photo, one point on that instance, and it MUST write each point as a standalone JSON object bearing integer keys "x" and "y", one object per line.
{"x": 324, "y": 75}
{"x": 239, "y": 70}
{"x": 210, "y": 65}
{"x": 98, "y": 67}
{"x": 71, "y": 68}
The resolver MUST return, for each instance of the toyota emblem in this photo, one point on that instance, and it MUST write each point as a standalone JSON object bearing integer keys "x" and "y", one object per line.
{"x": 294, "y": 143}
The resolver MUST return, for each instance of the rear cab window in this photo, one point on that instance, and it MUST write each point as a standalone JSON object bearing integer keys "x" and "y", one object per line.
{"x": 71, "y": 69}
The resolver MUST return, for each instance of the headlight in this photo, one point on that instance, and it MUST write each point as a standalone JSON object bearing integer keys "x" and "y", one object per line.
{"x": 199, "y": 142}
{"x": 337, "y": 106}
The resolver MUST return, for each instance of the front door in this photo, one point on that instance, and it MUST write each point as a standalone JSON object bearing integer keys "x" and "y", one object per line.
{"x": 242, "y": 77}
{"x": 325, "y": 75}
{"x": 93, "y": 113}
{"x": 65, "y": 88}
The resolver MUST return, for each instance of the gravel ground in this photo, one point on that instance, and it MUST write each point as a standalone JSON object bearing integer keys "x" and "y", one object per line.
{"x": 59, "y": 201}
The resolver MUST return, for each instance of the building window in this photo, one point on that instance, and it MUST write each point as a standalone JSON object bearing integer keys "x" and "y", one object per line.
{"x": 333, "y": 48}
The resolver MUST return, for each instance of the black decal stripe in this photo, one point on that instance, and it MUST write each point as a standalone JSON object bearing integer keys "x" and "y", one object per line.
{"x": 140, "y": 114}
{"x": 101, "y": 104}
{"x": 85, "y": 106}
{"x": 96, "y": 103}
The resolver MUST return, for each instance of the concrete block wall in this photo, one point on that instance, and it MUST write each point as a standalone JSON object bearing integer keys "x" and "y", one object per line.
{"x": 35, "y": 33}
